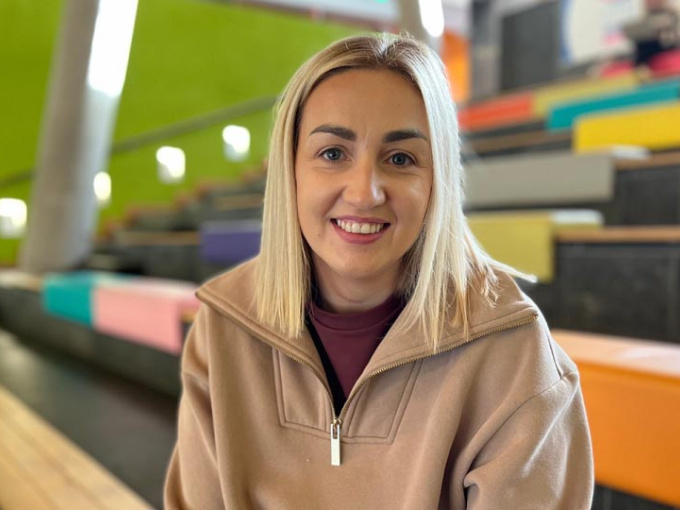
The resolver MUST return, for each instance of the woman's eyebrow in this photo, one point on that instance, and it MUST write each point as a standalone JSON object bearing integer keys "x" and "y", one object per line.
{"x": 391, "y": 137}
{"x": 403, "y": 134}
{"x": 342, "y": 132}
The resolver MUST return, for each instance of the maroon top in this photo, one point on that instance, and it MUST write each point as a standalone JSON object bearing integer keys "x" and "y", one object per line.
{"x": 351, "y": 339}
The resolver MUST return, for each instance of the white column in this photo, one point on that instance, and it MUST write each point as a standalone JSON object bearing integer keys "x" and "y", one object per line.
{"x": 423, "y": 19}
{"x": 88, "y": 72}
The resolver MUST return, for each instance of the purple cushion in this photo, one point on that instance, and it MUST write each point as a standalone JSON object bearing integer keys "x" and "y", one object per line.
{"x": 230, "y": 242}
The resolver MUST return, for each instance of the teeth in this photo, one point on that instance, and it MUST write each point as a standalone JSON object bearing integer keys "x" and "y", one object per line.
{"x": 359, "y": 228}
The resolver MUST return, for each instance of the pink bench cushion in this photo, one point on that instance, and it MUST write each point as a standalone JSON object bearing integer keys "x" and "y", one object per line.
{"x": 146, "y": 311}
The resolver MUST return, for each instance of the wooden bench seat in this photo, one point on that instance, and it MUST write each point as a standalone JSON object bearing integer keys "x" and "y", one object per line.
{"x": 631, "y": 390}
{"x": 12, "y": 278}
{"x": 40, "y": 469}
{"x": 518, "y": 142}
{"x": 129, "y": 238}
{"x": 621, "y": 235}
{"x": 664, "y": 159}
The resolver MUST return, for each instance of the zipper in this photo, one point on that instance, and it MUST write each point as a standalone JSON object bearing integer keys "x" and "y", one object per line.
{"x": 336, "y": 428}
{"x": 336, "y": 423}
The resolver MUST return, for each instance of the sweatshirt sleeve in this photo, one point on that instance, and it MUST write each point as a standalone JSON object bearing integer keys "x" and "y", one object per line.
{"x": 192, "y": 480}
{"x": 539, "y": 458}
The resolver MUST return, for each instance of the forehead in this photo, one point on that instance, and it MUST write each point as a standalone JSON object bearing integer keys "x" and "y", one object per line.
{"x": 363, "y": 99}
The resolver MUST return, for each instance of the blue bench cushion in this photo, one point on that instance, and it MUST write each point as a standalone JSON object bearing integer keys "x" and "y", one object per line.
{"x": 69, "y": 295}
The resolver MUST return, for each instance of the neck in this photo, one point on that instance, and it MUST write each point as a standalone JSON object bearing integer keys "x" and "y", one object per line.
{"x": 343, "y": 295}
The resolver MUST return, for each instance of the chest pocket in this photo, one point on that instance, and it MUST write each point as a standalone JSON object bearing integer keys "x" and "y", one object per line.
{"x": 372, "y": 416}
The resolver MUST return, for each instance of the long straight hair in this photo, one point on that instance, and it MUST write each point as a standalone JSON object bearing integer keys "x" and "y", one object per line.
{"x": 444, "y": 263}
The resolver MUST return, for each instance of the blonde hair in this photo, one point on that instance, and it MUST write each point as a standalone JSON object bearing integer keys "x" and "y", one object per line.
{"x": 444, "y": 263}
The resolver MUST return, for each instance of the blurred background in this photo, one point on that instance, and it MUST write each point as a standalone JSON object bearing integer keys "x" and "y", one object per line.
{"x": 133, "y": 149}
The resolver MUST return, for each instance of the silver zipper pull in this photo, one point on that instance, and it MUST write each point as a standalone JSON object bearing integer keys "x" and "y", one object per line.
{"x": 335, "y": 442}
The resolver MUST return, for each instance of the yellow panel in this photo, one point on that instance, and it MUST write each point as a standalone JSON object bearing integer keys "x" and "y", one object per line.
{"x": 654, "y": 128}
{"x": 547, "y": 97}
{"x": 523, "y": 240}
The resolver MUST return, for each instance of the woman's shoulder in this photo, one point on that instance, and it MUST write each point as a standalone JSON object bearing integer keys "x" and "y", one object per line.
{"x": 225, "y": 317}
{"x": 516, "y": 337}
{"x": 232, "y": 292}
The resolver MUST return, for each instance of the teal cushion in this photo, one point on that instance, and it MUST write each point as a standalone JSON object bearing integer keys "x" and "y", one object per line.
{"x": 563, "y": 116}
{"x": 69, "y": 295}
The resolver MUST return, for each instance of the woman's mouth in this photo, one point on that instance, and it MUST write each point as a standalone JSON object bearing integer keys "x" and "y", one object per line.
{"x": 355, "y": 227}
{"x": 359, "y": 232}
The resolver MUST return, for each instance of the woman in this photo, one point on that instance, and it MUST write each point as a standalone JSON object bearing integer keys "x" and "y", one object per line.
{"x": 373, "y": 356}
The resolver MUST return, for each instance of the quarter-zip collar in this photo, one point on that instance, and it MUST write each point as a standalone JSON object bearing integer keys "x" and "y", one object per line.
{"x": 231, "y": 295}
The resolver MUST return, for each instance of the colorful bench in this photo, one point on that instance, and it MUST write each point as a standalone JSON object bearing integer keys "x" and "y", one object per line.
{"x": 230, "y": 242}
{"x": 69, "y": 295}
{"x": 547, "y": 97}
{"x": 632, "y": 396}
{"x": 564, "y": 116}
{"x": 509, "y": 109}
{"x": 145, "y": 311}
{"x": 528, "y": 180}
{"x": 526, "y": 240}
{"x": 654, "y": 128}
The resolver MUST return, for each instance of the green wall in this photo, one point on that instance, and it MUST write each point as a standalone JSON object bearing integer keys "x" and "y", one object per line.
{"x": 27, "y": 33}
{"x": 188, "y": 58}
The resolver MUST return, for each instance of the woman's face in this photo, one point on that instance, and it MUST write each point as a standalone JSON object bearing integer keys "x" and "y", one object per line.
{"x": 363, "y": 173}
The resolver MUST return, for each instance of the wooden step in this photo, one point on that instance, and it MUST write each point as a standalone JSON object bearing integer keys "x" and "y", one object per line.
{"x": 40, "y": 469}
{"x": 622, "y": 235}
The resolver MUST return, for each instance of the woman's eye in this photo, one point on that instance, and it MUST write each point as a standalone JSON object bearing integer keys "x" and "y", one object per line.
{"x": 332, "y": 154}
{"x": 401, "y": 159}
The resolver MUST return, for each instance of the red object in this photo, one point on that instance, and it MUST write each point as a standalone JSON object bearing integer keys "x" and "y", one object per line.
{"x": 665, "y": 64}
{"x": 505, "y": 110}
{"x": 616, "y": 68}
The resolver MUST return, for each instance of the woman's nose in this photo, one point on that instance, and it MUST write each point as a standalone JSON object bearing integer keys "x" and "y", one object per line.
{"x": 364, "y": 188}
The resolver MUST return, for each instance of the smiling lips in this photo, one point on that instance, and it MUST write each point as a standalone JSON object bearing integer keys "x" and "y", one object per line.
{"x": 354, "y": 227}
{"x": 360, "y": 230}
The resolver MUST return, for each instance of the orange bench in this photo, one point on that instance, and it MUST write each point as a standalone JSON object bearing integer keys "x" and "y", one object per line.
{"x": 632, "y": 396}
{"x": 504, "y": 110}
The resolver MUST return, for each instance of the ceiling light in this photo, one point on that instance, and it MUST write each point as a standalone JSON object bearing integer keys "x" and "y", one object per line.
{"x": 13, "y": 215}
{"x": 171, "y": 165}
{"x": 102, "y": 188}
{"x": 236, "y": 142}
